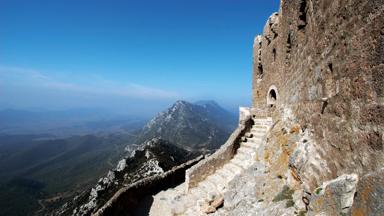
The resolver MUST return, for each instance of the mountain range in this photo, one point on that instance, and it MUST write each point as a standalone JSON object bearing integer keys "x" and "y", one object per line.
{"x": 200, "y": 126}
{"x": 49, "y": 170}
{"x": 66, "y": 123}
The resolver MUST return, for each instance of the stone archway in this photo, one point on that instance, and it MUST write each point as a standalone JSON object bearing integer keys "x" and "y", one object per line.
{"x": 272, "y": 96}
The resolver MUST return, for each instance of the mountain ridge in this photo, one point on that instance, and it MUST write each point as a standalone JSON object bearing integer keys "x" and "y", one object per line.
{"x": 191, "y": 126}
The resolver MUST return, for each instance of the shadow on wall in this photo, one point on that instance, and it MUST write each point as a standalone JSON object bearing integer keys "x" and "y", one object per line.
{"x": 144, "y": 206}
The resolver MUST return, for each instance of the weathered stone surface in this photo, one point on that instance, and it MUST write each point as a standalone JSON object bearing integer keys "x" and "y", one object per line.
{"x": 369, "y": 200}
{"x": 333, "y": 50}
{"x": 334, "y": 197}
{"x": 271, "y": 28}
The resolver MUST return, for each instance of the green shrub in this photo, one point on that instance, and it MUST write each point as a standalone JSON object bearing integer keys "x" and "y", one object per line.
{"x": 289, "y": 203}
{"x": 286, "y": 193}
{"x": 318, "y": 190}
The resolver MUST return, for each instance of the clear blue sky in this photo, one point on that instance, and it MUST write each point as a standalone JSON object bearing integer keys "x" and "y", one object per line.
{"x": 127, "y": 55}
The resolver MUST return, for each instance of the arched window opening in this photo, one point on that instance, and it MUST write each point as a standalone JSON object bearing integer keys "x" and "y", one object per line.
{"x": 272, "y": 96}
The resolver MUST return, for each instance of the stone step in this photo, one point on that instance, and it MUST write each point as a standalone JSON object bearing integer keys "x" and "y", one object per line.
{"x": 243, "y": 156}
{"x": 258, "y": 122}
{"x": 252, "y": 145}
{"x": 258, "y": 135}
{"x": 246, "y": 150}
{"x": 234, "y": 168}
{"x": 266, "y": 123}
{"x": 209, "y": 181}
{"x": 204, "y": 187}
{"x": 260, "y": 127}
{"x": 226, "y": 173}
{"x": 258, "y": 131}
{"x": 198, "y": 193}
{"x": 208, "y": 186}
{"x": 217, "y": 178}
{"x": 241, "y": 163}
{"x": 256, "y": 140}
{"x": 248, "y": 135}
{"x": 255, "y": 121}
{"x": 218, "y": 181}
{"x": 263, "y": 119}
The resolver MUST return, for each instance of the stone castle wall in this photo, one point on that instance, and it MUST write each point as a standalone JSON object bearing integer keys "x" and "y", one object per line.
{"x": 320, "y": 65}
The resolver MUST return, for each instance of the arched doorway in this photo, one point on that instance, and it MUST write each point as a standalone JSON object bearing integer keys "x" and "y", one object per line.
{"x": 272, "y": 96}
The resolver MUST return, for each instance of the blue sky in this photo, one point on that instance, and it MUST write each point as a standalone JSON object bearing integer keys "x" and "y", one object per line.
{"x": 132, "y": 56}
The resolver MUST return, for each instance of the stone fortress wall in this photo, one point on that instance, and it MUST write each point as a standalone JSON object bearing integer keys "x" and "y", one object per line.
{"x": 320, "y": 66}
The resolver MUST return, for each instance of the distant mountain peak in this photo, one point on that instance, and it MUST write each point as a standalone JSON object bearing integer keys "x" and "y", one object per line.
{"x": 181, "y": 103}
{"x": 203, "y": 125}
{"x": 207, "y": 102}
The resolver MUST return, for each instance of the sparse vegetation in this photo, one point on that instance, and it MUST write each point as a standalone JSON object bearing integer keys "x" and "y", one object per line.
{"x": 302, "y": 213}
{"x": 286, "y": 193}
{"x": 289, "y": 203}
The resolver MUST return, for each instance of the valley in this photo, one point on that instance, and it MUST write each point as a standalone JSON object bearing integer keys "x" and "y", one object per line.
{"x": 40, "y": 172}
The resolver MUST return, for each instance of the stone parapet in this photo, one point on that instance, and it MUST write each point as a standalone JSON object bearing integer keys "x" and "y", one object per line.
{"x": 128, "y": 199}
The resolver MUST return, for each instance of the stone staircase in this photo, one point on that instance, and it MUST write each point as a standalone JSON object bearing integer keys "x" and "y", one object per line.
{"x": 209, "y": 193}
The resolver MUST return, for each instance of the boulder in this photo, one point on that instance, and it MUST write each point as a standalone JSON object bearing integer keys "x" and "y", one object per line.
{"x": 369, "y": 200}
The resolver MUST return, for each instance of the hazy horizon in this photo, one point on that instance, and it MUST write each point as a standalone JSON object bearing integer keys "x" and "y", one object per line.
{"x": 113, "y": 112}
{"x": 134, "y": 57}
